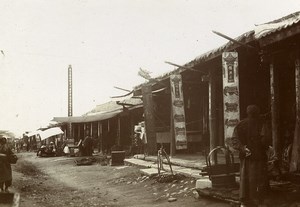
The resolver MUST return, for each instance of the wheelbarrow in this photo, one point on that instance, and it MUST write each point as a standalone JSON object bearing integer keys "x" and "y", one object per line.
{"x": 9, "y": 199}
{"x": 222, "y": 174}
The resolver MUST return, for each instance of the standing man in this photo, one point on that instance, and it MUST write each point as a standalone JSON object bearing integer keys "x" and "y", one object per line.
{"x": 87, "y": 144}
{"x": 5, "y": 168}
{"x": 250, "y": 138}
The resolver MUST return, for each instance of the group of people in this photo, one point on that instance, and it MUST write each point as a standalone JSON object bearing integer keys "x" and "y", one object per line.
{"x": 250, "y": 137}
{"x": 5, "y": 165}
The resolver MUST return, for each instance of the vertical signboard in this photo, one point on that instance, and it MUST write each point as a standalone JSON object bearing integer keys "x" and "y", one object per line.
{"x": 230, "y": 92}
{"x": 178, "y": 112}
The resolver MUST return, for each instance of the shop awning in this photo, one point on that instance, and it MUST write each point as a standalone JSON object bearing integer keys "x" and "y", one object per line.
{"x": 88, "y": 118}
{"x": 30, "y": 134}
{"x": 50, "y": 132}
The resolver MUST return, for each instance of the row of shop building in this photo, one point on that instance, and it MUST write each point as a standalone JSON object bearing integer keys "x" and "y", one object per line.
{"x": 195, "y": 107}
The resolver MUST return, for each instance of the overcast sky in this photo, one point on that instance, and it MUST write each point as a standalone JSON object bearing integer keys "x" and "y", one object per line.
{"x": 106, "y": 42}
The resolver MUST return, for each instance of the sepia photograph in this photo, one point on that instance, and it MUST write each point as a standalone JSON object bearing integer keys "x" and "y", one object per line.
{"x": 165, "y": 103}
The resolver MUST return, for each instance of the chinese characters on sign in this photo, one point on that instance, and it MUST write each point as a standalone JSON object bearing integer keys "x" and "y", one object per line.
{"x": 178, "y": 112}
{"x": 230, "y": 92}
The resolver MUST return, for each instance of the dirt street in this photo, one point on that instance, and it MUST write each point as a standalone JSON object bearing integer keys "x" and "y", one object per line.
{"x": 57, "y": 181}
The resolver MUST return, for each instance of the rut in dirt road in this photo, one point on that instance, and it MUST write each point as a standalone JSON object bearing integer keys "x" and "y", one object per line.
{"x": 39, "y": 189}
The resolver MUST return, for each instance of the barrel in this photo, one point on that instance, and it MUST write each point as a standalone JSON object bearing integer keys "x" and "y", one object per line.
{"x": 117, "y": 157}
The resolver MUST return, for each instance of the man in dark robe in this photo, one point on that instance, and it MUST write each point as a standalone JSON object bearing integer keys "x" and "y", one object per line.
{"x": 5, "y": 168}
{"x": 87, "y": 145}
{"x": 251, "y": 140}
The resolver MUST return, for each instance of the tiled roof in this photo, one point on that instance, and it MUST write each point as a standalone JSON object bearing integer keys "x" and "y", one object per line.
{"x": 258, "y": 32}
{"x": 112, "y": 105}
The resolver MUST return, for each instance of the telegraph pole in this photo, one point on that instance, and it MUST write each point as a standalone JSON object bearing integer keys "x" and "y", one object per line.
{"x": 70, "y": 100}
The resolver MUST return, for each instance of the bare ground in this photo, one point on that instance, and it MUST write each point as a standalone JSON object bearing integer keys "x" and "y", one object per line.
{"x": 57, "y": 181}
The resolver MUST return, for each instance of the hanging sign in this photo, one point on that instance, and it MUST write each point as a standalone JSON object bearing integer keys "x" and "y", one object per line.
{"x": 178, "y": 112}
{"x": 230, "y": 92}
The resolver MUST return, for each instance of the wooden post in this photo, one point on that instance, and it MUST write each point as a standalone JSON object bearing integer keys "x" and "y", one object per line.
{"x": 73, "y": 132}
{"x": 108, "y": 127}
{"x": 274, "y": 108}
{"x": 98, "y": 136}
{"x": 101, "y": 137}
{"x": 212, "y": 109}
{"x": 91, "y": 131}
{"x": 172, "y": 135}
{"x": 295, "y": 160}
{"x": 119, "y": 131}
{"x": 79, "y": 131}
{"x": 149, "y": 119}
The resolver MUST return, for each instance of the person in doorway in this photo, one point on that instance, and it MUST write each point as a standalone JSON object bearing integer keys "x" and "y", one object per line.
{"x": 5, "y": 168}
{"x": 87, "y": 144}
{"x": 251, "y": 140}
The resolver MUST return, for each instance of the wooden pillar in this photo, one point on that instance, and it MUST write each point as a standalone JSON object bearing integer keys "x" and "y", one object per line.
{"x": 108, "y": 127}
{"x": 101, "y": 136}
{"x": 73, "y": 132}
{"x": 119, "y": 131}
{"x": 91, "y": 131}
{"x": 275, "y": 108}
{"x": 295, "y": 159}
{"x": 131, "y": 116}
{"x": 212, "y": 109}
{"x": 172, "y": 135}
{"x": 149, "y": 119}
{"x": 79, "y": 131}
{"x": 65, "y": 132}
{"x": 69, "y": 132}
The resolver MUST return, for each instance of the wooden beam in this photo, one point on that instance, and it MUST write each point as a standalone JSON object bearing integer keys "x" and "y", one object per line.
{"x": 184, "y": 67}
{"x": 235, "y": 41}
{"x": 122, "y": 89}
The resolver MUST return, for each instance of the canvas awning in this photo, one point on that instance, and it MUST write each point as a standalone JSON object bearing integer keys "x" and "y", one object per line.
{"x": 50, "y": 132}
{"x": 30, "y": 134}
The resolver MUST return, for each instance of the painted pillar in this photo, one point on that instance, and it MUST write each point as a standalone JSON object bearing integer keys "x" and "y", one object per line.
{"x": 295, "y": 160}
{"x": 149, "y": 119}
{"x": 178, "y": 113}
{"x": 231, "y": 102}
{"x": 274, "y": 108}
